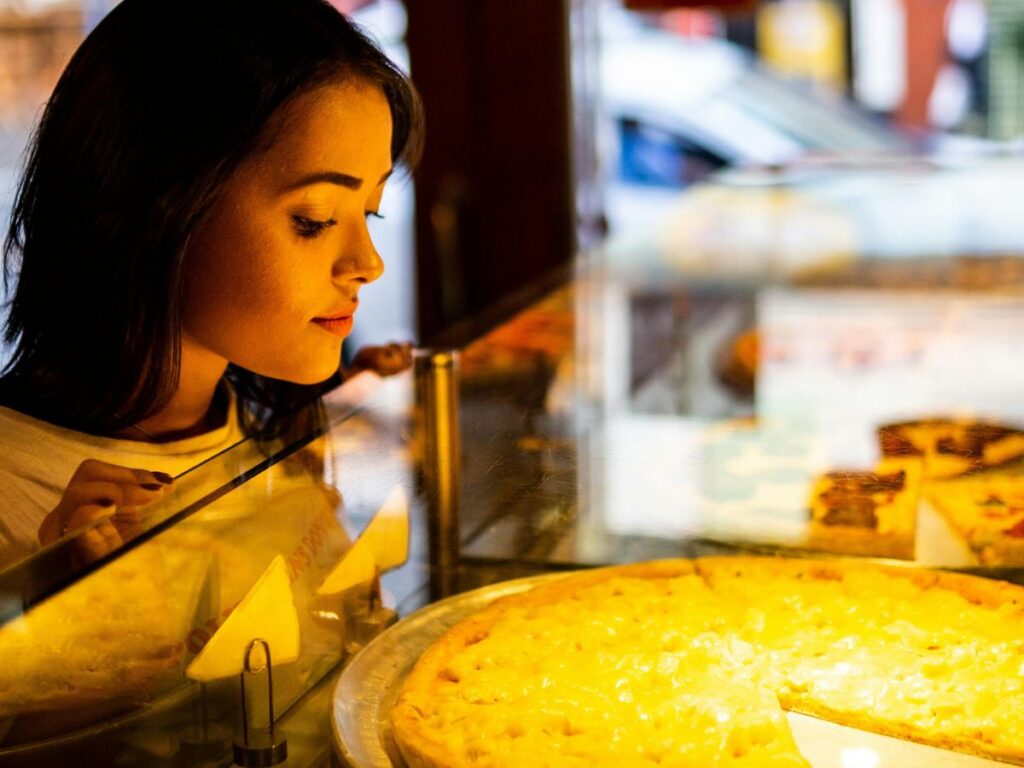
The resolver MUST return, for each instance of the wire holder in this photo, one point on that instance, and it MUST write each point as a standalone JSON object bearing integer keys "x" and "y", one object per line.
{"x": 259, "y": 747}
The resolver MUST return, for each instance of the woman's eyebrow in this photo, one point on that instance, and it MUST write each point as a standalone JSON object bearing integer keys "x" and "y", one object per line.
{"x": 333, "y": 177}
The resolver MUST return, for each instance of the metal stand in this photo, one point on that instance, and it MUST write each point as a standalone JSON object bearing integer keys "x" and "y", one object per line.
{"x": 259, "y": 747}
{"x": 364, "y": 623}
{"x": 437, "y": 410}
{"x": 203, "y": 741}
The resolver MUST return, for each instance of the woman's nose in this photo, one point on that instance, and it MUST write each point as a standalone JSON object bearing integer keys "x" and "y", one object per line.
{"x": 359, "y": 262}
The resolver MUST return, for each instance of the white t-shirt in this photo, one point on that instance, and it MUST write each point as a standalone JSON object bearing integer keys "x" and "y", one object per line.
{"x": 37, "y": 460}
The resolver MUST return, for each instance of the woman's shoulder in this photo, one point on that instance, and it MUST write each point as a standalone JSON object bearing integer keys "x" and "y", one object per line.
{"x": 29, "y": 446}
{"x": 51, "y": 449}
{"x": 36, "y": 461}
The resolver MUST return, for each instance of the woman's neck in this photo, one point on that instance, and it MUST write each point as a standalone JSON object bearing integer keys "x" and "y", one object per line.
{"x": 195, "y": 407}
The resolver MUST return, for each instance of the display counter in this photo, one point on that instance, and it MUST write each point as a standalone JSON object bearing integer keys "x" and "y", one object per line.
{"x": 616, "y": 419}
{"x": 134, "y": 656}
{"x": 842, "y": 415}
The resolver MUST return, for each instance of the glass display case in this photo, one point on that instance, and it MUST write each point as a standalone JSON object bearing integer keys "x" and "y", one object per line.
{"x": 626, "y": 418}
{"x": 866, "y": 409}
{"x": 133, "y": 654}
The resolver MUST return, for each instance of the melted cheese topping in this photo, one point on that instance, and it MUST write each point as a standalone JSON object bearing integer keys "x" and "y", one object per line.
{"x": 689, "y": 671}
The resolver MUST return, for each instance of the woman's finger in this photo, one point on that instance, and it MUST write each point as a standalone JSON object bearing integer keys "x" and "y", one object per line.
{"x": 84, "y": 516}
{"x": 49, "y": 529}
{"x": 128, "y": 521}
{"x": 94, "y": 543}
{"x": 96, "y": 494}
{"x": 79, "y": 494}
{"x": 94, "y": 469}
{"x": 108, "y": 532}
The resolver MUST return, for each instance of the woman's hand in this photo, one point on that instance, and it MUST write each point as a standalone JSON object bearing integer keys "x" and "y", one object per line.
{"x": 106, "y": 493}
{"x": 386, "y": 361}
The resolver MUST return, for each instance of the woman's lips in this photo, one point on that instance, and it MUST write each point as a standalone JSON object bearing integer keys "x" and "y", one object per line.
{"x": 339, "y": 326}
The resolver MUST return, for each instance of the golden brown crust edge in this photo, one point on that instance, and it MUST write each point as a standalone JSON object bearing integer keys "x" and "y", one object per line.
{"x": 976, "y": 589}
{"x": 841, "y": 540}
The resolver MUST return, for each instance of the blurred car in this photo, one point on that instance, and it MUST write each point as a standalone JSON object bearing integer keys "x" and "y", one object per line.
{"x": 710, "y": 97}
{"x": 716, "y": 169}
{"x": 674, "y": 110}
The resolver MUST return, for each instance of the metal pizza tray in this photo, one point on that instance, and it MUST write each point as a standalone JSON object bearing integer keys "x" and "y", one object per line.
{"x": 368, "y": 688}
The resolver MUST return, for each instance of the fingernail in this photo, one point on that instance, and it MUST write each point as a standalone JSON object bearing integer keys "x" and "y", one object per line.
{"x": 152, "y": 486}
{"x": 163, "y": 477}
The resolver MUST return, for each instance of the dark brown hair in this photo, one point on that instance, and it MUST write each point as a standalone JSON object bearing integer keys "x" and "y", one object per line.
{"x": 156, "y": 110}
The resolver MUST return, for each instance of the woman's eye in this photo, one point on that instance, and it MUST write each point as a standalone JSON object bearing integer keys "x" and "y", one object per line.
{"x": 374, "y": 215}
{"x": 305, "y": 227}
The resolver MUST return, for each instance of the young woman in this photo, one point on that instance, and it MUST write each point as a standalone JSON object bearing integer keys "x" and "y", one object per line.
{"x": 186, "y": 249}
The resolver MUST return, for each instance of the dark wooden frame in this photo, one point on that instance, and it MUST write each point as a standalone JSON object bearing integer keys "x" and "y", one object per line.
{"x": 494, "y": 192}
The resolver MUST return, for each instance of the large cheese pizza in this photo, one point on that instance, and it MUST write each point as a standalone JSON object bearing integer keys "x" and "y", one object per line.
{"x": 692, "y": 663}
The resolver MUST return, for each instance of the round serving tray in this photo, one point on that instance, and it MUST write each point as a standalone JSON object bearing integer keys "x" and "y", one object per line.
{"x": 368, "y": 687}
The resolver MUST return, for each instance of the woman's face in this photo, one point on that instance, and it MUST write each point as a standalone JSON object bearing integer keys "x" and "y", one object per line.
{"x": 275, "y": 270}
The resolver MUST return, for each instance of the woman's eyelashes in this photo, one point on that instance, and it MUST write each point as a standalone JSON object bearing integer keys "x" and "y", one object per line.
{"x": 309, "y": 228}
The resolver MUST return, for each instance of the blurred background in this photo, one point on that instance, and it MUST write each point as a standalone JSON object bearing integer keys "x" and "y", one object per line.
{"x": 701, "y": 141}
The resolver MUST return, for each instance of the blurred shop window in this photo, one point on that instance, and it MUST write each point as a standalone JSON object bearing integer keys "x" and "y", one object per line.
{"x": 679, "y": 101}
{"x": 1006, "y": 69}
{"x": 804, "y": 39}
{"x": 925, "y": 63}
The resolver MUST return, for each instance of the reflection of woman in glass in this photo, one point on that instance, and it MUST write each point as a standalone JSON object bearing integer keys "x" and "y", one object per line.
{"x": 189, "y": 240}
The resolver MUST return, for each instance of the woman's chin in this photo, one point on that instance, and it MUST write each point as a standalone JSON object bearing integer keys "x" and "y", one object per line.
{"x": 317, "y": 376}
{"x": 307, "y": 374}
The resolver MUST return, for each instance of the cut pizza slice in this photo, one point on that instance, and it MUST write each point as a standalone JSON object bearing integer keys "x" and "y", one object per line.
{"x": 867, "y": 513}
{"x": 925, "y": 656}
{"x": 987, "y": 512}
{"x": 952, "y": 447}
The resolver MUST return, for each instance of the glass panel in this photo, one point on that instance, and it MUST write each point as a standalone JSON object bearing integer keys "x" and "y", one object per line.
{"x": 630, "y": 419}
{"x": 101, "y": 667}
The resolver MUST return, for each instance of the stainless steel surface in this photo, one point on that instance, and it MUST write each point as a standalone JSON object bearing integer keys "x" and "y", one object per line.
{"x": 369, "y": 685}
